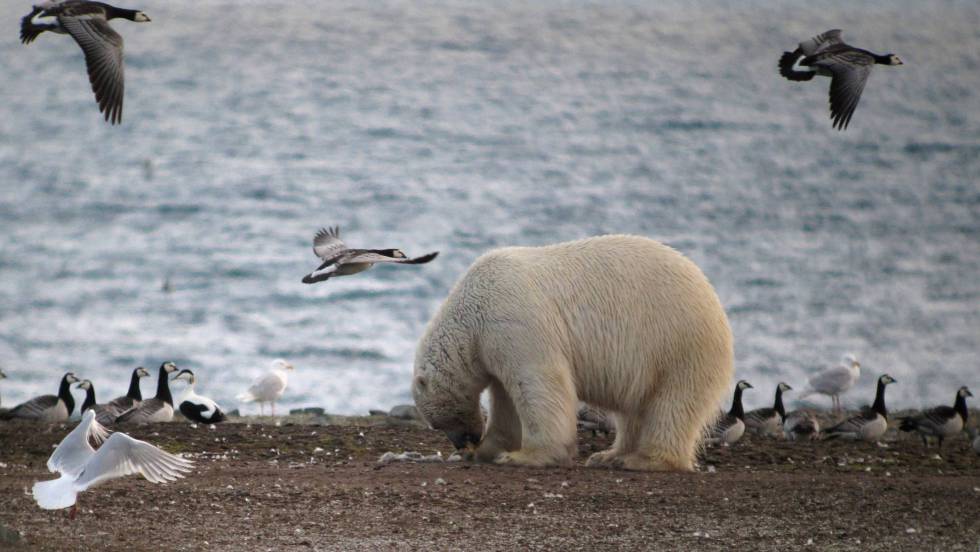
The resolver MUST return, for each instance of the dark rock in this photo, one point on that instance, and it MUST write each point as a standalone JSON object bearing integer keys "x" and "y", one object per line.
{"x": 405, "y": 412}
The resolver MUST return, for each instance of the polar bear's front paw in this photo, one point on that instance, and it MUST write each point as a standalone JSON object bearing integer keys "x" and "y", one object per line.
{"x": 524, "y": 458}
{"x": 604, "y": 459}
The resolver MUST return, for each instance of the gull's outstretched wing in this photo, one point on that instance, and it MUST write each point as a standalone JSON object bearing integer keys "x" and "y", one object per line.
{"x": 121, "y": 455}
{"x": 75, "y": 450}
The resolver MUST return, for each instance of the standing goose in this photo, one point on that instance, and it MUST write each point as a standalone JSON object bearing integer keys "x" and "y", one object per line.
{"x": 195, "y": 407}
{"x": 82, "y": 467}
{"x": 102, "y": 411}
{"x": 268, "y": 387}
{"x": 339, "y": 260}
{"x": 768, "y": 421}
{"x": 834, "y": 381}
{"x": 730, "y": 427}
{"x": 88, "y": 23}
{"x": 871, "y": 423}
{"x": 941, "y": 421}
{"x": 801, "y": 424}
{"x": 133, "y": 397}
{"x": 47, "y": 408}
{"x": 158, "y": 409}
{"x": 828, "y": 56}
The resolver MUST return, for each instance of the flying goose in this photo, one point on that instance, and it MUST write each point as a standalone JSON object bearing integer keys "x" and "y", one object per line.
{"x": 768, "y": 421}
{"x": 158, "y": 409}
{"x": 871, "y": 423}
{"x": 47, "y": 408}
{"x": 103, "y": 411}
{"x": 730, "y": 427}
{"x": 834, "y": 381}
{"x": 88, "y": 23}
{"x": 82, "y": 467}
{"x": 195, "y": 407}
{"x": 941, "y": 421}
{"x": 339, "y": 260}
{"x": 827, "y": 55}
{"x": 268, "y": 387}
{"x": 801, "y": 424}
{"x": 133, "y": 397}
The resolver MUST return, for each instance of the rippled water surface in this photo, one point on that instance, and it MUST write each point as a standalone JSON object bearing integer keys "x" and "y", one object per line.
{"x": 464, "y": 126}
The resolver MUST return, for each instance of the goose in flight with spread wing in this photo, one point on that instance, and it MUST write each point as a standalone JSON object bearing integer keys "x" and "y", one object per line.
{"x": 848, "y": 67}
{"x": 83, "y": 467}
{"x": 88, "y": 23}
{"x": 339, "y": 260}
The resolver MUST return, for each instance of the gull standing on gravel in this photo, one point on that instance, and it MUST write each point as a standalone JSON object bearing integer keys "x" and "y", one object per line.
{"x": 871, "y": 423}
{"x": 834, "y": 381}
{"x": 88, "y": 23}
{"x": 195, "y": 407}
{"x": 82, "y": 467}
{"x": 268, "y": 387}
{"x": 339, "y": 260}
{"x": 158, "y": 409}
{"x": 941, "y": 421}
{"x": 47, "y": 408}
{"x": 849, "y": 68}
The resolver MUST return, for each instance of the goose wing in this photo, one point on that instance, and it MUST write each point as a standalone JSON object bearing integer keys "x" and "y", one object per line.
{"x": 850, "y": 69}
{"x": 141, "y": 413}
{"x": 821, "y": 42}
{"x": 327, "y": 243}
{"x": 372, "y": 257}
{"x": 75, "y": 450}
{"x": 760, "y": 416}
{"x": 121, "y": 455}
{"x": 34, "y": 408}
{"x": 103, "y": 48}
{"x": 855, "y": 423}
{"x": 937, "y": 416}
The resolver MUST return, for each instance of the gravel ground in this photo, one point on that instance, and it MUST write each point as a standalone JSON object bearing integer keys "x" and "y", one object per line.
{"x": 304, "y": 486}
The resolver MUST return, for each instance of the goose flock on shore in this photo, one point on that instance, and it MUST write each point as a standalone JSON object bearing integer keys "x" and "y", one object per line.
{"x": 869, "y": 425}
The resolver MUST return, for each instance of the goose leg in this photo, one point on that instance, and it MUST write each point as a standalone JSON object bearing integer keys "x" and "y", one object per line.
{"x": 73, "y": 512}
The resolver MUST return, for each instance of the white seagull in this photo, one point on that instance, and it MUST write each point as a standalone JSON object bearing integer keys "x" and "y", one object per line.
{"x": 268, "y": 387}
{"x": 834, "y": 381}
{"x": 83, "y": 467}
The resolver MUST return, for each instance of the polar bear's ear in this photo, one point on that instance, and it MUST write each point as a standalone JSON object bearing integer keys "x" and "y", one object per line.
{"x": 421, "y": 382}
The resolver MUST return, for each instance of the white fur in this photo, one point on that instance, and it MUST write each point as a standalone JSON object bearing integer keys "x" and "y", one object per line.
{"x": 624, "y": 323}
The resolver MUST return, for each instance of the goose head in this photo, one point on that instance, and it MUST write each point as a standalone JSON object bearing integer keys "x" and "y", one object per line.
{"x": 784, "y": 387}
{"x": 397, "y": 253}
{"x": 142, "y": 372}
{"x": 743, "y": 385}
{"x": 185, "y": 375}
{"x": 70, "y": 378}
{"x": 141, "y": 17}
{"x": 84, "y": 384}
{"x": 280, "y": 364}
{"x": 964, "y": 392}
{"x": 885, "y": 379}
{"x": 894, "y": 60}
{"x": 168, "y": 367}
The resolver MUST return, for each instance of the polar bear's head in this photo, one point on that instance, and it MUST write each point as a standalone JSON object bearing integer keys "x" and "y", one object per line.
{"x": 448, "y": 405}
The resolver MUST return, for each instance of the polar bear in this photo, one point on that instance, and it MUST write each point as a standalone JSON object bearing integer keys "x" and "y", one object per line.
{"x": 624, "y": 323}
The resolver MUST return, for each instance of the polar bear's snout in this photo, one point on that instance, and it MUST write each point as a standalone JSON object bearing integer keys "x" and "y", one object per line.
{"x": 463, "y": 439}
